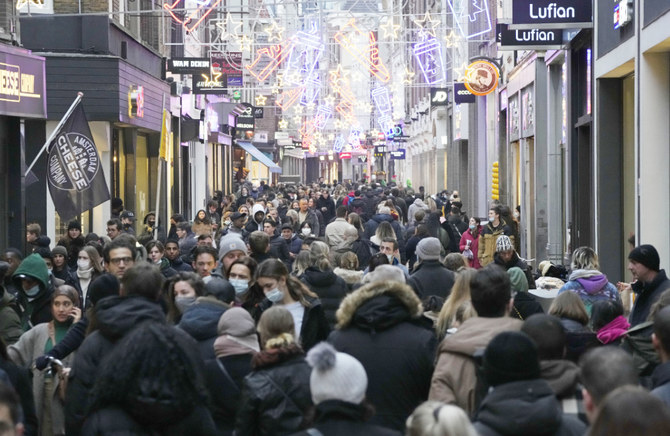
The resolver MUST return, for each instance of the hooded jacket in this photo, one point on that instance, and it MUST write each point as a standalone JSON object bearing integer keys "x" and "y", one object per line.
{"x": 524, "y": 408}
{"x": 252, "y": 224}
{"x": 591, "y": 286}
{"x": 416, "y": 205}
{"x": 200, "y": 322}
{"x": 34, "y": 310}
{"x": 330, "y": 288}
{"x": 379, "y": 324}
{"x": 374, "y": 222}
{"x": 455, "y": 377}
{"x": 334, "y": 418}
{"x": 116, "y": 316}
{"x": 10, "y": 323}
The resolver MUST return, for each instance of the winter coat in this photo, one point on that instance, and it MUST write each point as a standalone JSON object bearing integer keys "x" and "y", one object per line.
{"x": 38, "y": 310}
{"x": 313, "y": 221}
{"x": 335, "y": 232}
{"x": 371, "y": 226}
{"x": 201, "y": 228}
{"x": 73, "y": 247}
{"x": 30, "y": 347}
{"x": 516, "y": 261}
{"x": 474, "y": 247}
{"x": 335, "y": 418}
{"x": 525, "y": 305}
{"x": 186, "y": 245}
{"x": 330, "y": 288}
{"x": 116, "y": 316}
{"x": 164, "y": 419}
{"x": 379, "y": 324}
{"x": 10, "y": 323}
{"x": 591, "y": 286}
{"x": 226, "y": 391}
{"x": 563, "y": 378}
{"x": 166, "y": 268}
{"x": 455, "y": 377}
{"x": 200, "y": 322}
{"x": 486, "y": 247}
{"x": 329, "y": 206}
{"x": 364, "y": 251}
{"x": 578, "y": 339}
{"x": 524, "y": 408}
{"x": 275, "y": 395}
{"x": 23, "y": 385}
{"x": 660, "y": 379}
{"x": 637, "y": 342}
{"x": 279, "y": 249}
{"x": 410, "y": 249}
{"x": 430, "y": 277}
{"x": 180, "y": 266}
{"x": 350, "y": 277}
{"x": 647, "y": 294}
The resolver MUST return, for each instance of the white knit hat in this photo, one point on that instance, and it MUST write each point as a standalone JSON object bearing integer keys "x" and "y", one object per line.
{"x": 503, "y": 244}
{"x": 335, "y": 376}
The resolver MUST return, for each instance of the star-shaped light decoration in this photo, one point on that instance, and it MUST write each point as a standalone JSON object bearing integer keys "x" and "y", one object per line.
{"x": 338, "y": 123}
{"x": 338, "y": 75}
{"x": 390, "y": 29}
{"x": 329, "y": 100}
{"x": 297, "y": 119}
{"x": 297, "y": 109}
{"x": 275, "y": 32}
{"x": 283, "y": 124}
{"x": 226, "y": 25}
{"x": 260, "y": 100}
{"x": 451, "y": 38}
{"x": 214, "y": 81}
{"x": 357, "y": 76}
{"x": 245, "y": 42}
{"x": 275, "y": 89}
{"x": 459, "y": 72}
{"x": 408, "y": 76}
{"x": 293, "y": 77}
{"x": 427, "y": 26}
{"x": 310, "y": 106}
{"x": 331, "y": 136}
{"x": 374, "y": 132}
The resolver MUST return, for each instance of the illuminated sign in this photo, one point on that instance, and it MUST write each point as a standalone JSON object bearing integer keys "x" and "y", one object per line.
{"x": 209, "y": 84}
{"x": 345, "y": 155}
{"x": 481, "y": 77}
{"x": 196, "y": 16}
{"x": 267, "y": 60}
{"x": 428, "y": 55}
{"x": 304, "y": 54}
{"x": 368, "y": 57}
{"x": 529, "y": 39}
{"x": 380, "y": 150}
{"x": 462, "y": 94}
{"x": 189, "y": 65}
{"x": 323, "y": 114}
{"x": 438, "y": 97}
{"x": 22, "y": 84}
{"x": 136, "y": 102}
{"x": 398, "y": 154}
{"x": 382, "y": 99}
{"x": 478, "y": 11}
{"x": 339, "y": 144}
{"x": 547, "y": 14}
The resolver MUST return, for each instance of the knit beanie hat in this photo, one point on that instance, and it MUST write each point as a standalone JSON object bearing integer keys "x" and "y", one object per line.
{"x": 517, "y": 279}
{"x": 74, "y": 224}
{"x": 503, "y": 244}
{"x": 428, "y": 249}
{"x": 59, "y": 249}
{"x": 238, "y": 325}
{"x": 107, "y": 285}
{"x": 231, "y": 242}
{"x": 335, "y": 376}
{"x": 510, "y": 357}
{"x": 647, "y": 256}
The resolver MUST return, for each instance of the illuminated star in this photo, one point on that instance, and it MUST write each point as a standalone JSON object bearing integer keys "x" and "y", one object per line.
{"x": 408, "y": 76}
{"x": 297, "y": 119}
{"x": 338, "y": 75}
{"x": 459, "y": 72}
{"x": 451, "y": 38}
{"x": 294, "y": 77}
{"x": 275, "y": 32}
{"x": 225, "y": 26}
{"x": 357, "y": 76}
{"x": 282, "y": 123}
{"x": 310, "y": 106}
{"x": 297, "y": 109}
{"x": 329, "y": 100}
{"x": 260, "y": 100}
{"x": 338, "y": 123}
{"x": 390, "y": 29}
{"x": 214, "y": 81}
{"x": 331, "y": 136}
{"x": 245, "y": 42}
{"x": 275, "y": 89}
{"x": 427, "y": 25}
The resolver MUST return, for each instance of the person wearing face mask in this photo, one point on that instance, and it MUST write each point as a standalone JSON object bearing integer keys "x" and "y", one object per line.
{"x": 306, "y": 231}
{"x": 470, "y": 241}
{"x": 34, "y": 298}
{"x": 182, "y": 291}
{"x": 89, "y": 267}
{"x": 278, "y": 288}
{"x": 149, "y": 230}
{"x": 240, "y": 274}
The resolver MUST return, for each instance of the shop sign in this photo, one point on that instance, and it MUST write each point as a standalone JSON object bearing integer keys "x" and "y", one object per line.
{"x": 246, "y": 120}
{"x": 136, "y": 101}
{"x": 462, "y": 94}
{"x": 380, "y": 150}
{"x": 529, "y": 39}
{"x": 258, "y": 112}
{"x": 481, "y": 77}
{"x": 210, "y": 83}
{"x": 398, "y": 154}
{"x": 22, "y": 85}
{"x": 229, "y": 64}
{"x": 547, "y": 14}
{"x": 237, "y": 94}
{"x": 188, "y": 65}
{"x": 362, "y": 159}
{"x": 438, "y": 97}
{"x": 261, "y": 136}
{"x": 345, "y": 155}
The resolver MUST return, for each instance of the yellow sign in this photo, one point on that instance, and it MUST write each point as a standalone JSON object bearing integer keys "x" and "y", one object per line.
{"x": 165, "y": 136}
{"x": 481, "y": 77}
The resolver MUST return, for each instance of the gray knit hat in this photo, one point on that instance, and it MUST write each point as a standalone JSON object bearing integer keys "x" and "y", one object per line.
{"x": 428, "y": 249}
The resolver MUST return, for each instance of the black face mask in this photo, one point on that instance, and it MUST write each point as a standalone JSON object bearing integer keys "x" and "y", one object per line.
{"x": 152, "y": 223}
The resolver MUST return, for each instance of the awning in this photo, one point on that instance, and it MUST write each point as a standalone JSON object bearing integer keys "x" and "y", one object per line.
{"x": 259, "y": 156}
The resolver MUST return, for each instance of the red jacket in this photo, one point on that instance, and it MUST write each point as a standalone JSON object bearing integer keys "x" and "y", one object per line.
{"x": 474, "y": 246}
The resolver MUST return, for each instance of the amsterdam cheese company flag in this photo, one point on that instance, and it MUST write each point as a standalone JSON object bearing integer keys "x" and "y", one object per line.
{"x": 76, "y": 180}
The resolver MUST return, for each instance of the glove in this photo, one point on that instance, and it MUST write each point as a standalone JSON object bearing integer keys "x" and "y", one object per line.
{"x": 42, "y": 362}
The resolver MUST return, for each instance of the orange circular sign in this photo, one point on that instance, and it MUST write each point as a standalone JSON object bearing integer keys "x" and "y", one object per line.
{"x": 481, "y": 77}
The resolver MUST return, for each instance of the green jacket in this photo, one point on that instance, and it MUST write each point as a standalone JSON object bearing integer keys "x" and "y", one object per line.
{"x": 10, "y": 323}
{"x": 34, "y": 310}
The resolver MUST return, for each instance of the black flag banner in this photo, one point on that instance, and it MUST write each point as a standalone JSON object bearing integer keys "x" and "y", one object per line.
{"x": 76, "y": 180}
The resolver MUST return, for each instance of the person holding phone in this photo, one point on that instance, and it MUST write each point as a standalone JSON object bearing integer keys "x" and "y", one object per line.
{"x": 65, "y": 308}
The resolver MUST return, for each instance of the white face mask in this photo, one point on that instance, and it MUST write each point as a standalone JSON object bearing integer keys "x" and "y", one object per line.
{"x": 240, "y": 285}
{"x": 306, "y": 231}
{"x": 32, "y": 292}
{"x": 390, "y": 258}
{"x": 83, "y": 265}
{"x": 275, "y": 295}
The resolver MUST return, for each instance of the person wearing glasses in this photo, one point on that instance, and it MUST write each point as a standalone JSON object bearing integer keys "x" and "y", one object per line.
{"x": 119, "y": 256}
{"x": 114, "y": 227}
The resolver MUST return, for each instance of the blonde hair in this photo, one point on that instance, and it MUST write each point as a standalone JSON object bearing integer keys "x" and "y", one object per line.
{"x": 460, "y": 293}
{"x": 569, "y": 305}
{"x": 433, "y": 418}
{"x": 584, "y": 258}
{"x": 276, "y": 328}
{"x": 349, "y": 260}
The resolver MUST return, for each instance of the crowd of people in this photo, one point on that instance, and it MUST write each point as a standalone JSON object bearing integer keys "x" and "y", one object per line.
{"x": 327, "y": 310}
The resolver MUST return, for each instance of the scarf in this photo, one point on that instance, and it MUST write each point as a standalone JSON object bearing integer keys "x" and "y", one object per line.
{"x": 230, "y": 346}
{"x": 84, "y": 274}
{"x": 614, "y": 330}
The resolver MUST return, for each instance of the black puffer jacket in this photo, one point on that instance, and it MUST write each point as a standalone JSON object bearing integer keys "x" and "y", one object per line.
{"x": 379, "y": 325}
{"x": 430, "y": 277}
{"x": 335, "y": 418}
{"x": 116, "y": 316}
{"x": 225, "y": 391}
{"x": 276, "y": 394}
{"x": 330, "y": 288}
{"x": 524, "y": 408}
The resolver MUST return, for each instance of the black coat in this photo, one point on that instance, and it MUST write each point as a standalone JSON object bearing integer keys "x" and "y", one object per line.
{"x": 525, "y": 305}
{"x": 430, "y": 277}
{"x": 329, "y": 206}
{"x": 116, "y": 316}
{"x": 276, "y": 395}
{"x": 330, "y": 288}
{"x": 200, "y": 322}
{"x": 225, "y": 391}
{"x": 180, "y": 266}
{"x": 22, "y": 383}
{"x": 519, "y": 263}
{"x": 374, "y": 222}
{"x": 335, "y": 418}
{"x": 647, "y": 295}
{"x": 524, "y": 408}
{"x": 380, "y": 327}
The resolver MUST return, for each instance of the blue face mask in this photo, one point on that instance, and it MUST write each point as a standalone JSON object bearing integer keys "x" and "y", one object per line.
{"x": 491, "y": 219}
{"x": 32, "y": 292}
{"x": 240, "y": 285}
{"x": 472, "y": 226}
{"x": 275, "y": 295}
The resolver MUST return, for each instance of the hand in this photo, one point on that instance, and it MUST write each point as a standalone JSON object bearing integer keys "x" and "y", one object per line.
{"x": 75, "y": 315}
{"x": 442, "y": 220}
{"x": 622, "y": 286}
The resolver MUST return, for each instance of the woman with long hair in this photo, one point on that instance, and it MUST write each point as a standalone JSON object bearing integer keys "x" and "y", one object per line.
{"x": 202, "y": 225}
{"x": 301, "y": 263}
{"x": 276, "y": 394}
{"x": 150, "y": 383}
{"x": 89, "y": 268}
{"x": 240, "y": 275}
{"x": 282, "y": 289}
{"x": 469, "y": 244}
{"x": 355, "y": 220}
{"x": 182, "y": 291}
{"x": 49, "y": 403}
{"x": 570, "y": 309}
{"x": 384, "y": 230}
{"x": 460, "y": 294}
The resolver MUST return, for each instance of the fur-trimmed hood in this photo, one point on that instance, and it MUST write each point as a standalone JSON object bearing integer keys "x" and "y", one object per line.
{"x": 350, "y": 276}
{"x": 379, "y": 305}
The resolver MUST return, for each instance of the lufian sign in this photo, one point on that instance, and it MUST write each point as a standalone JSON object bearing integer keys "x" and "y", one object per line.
{"x": 551, "y": 14}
